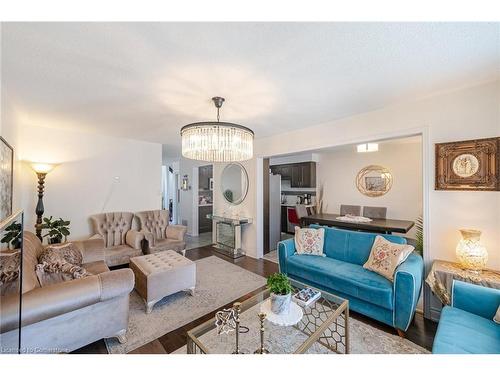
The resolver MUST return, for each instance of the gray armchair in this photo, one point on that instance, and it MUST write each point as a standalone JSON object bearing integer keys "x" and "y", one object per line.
{"x": 121, "y": 242}
{"x": 67, "y": 315}
{"x": 158, "y": 234}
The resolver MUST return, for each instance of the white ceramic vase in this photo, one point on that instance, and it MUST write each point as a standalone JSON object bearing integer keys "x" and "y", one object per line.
{"x": 280, "y": 303}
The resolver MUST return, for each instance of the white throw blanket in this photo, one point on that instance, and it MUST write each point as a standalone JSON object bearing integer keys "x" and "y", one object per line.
{"x": 354, "y": 219}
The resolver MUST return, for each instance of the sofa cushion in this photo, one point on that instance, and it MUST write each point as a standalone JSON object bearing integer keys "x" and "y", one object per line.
{"x": 352, "y": 247}
{"x": 117, "y": 255}
{"x": 460, "y": 332}
{"x": 96, "y": 268}
{"x": 167, "y": 244}
{"x": 351, "y": 279}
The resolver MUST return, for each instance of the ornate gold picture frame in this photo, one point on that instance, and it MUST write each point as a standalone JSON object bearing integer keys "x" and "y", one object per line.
{"x": 468, "y": 165}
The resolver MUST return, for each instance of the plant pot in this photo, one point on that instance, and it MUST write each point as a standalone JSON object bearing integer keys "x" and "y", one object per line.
{"x": 280, "y": 303}
{"x": 53, "y": 241}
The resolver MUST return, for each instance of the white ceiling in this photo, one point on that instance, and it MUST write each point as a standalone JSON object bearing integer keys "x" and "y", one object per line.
{"x": 146, "y": 80}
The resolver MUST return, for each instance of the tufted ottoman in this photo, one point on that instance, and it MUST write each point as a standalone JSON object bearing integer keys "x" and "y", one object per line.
{"x": 162, "y": 274}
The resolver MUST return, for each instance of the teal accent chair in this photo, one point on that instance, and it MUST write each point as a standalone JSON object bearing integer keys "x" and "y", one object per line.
{"x": 467, "y": 326}
{"x": 341, "y": 273}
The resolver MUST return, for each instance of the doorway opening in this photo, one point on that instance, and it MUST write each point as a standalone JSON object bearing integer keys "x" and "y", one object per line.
{"x": 325, "y": 181}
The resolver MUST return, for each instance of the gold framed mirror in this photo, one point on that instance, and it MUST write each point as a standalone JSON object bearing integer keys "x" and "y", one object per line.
{"x": 374, "y": 180}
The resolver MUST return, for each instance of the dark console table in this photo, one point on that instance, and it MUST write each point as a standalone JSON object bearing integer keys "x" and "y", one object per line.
{"x": 386, "y": 226}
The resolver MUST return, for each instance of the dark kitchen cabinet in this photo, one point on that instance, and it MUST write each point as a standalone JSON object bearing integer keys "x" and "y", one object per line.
{"x": 204, "y": 174}
{"x": 301, "y": 175}
{"x": 284, "y": 170}
{"x": 204, "y": 223}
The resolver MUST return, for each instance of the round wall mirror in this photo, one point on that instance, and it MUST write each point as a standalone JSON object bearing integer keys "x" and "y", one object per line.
{"x": 234, "y": 183}
{"x": 374, "y": 181}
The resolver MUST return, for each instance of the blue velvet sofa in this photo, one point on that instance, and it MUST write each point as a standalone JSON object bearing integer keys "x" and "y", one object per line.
{"x": 341, "y": 273}
{"x": 467, "y": 325}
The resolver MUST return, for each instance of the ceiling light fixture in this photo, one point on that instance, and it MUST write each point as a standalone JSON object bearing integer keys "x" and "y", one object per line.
{"x": 217, "y": 141}
{"x": 368, "y": 147}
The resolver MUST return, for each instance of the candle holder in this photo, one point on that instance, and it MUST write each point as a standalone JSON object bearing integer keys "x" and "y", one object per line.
{"x": 262, "y": 349}
{"x": 237, "y": 311}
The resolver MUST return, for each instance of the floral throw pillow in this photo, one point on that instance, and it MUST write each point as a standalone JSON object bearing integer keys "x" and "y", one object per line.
{"x": 10, "y": 264}
{"x": 58, "y": 263}
{"x": 309, "y": 241}
{"x": 386, "y": 256}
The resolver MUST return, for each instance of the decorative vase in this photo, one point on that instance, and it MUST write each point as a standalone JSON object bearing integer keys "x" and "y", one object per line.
{"x": 280, "y": 303}
{"x": 471, "y": 254}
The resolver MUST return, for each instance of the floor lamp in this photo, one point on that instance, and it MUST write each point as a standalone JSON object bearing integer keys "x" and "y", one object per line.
{"x": 41, "y": 170}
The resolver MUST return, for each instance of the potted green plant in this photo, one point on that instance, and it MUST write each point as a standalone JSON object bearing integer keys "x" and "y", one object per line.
{"x": 281, "y": 293}
{"x": 57, "y": 229}
{"x": 419, "y": 236}
{"x": 13, "y": 235}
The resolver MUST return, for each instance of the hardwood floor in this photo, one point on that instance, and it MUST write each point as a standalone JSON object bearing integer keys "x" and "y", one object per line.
{"x": 421, "y": 331}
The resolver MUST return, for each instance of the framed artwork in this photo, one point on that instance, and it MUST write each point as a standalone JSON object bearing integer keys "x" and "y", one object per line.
{"x": 6, "y": 178}
{"x": 468, "y": 165}
{"x": 374, "y": 181}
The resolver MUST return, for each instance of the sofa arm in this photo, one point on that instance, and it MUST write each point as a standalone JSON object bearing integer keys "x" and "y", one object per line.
{"x": 407, "y": 288}
{"x": 476, "y": 299}
{"x": 92, "y": 249}
{"x": 285, "y": 249}
{"x": 134, "y": 238}
{"x": 176, "y": 232}
{"x": 44, "y": 303}
{"x": 149, "y": 237}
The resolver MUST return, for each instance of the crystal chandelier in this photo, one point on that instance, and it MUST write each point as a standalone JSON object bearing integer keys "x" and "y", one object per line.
{"x": 217, "y": 141}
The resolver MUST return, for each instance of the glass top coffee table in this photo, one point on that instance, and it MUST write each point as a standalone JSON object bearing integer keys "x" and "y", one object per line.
{"x": 324, "y": 328}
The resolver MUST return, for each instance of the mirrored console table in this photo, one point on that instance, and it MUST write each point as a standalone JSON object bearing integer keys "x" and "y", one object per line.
{"x": 227, "y": 234}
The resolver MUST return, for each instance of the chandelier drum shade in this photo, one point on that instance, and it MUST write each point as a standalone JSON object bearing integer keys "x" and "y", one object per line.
{"x": 217, "y": 141}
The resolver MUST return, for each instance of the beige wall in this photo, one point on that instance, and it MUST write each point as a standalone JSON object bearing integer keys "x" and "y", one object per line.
{"x": 468, "y": 113}
{"x": 248, "y": 208}
{"x": 96, "y": 174}
{"x": 337, "y": 170}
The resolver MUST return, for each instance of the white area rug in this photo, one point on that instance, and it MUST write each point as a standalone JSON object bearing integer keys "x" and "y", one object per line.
{"x": 364, "y": 339}
{"x": 218, "y": 282}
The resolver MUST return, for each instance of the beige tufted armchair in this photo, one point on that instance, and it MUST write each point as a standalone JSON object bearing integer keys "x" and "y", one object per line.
{"x": 158, "y": 234}
{"x": 121, "y": 242}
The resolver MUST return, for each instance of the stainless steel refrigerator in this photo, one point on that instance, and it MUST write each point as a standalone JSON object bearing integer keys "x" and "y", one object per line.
{"x": 274, "y": 211}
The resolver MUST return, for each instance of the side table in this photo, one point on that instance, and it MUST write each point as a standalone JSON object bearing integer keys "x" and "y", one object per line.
{"x": 442, "y": 274}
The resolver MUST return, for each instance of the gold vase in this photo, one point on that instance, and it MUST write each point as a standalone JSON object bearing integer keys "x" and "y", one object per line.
{"x": 471, "y": 254}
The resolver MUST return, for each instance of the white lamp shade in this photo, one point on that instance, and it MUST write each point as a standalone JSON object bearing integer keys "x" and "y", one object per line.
{"x": 42, "y": 167}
